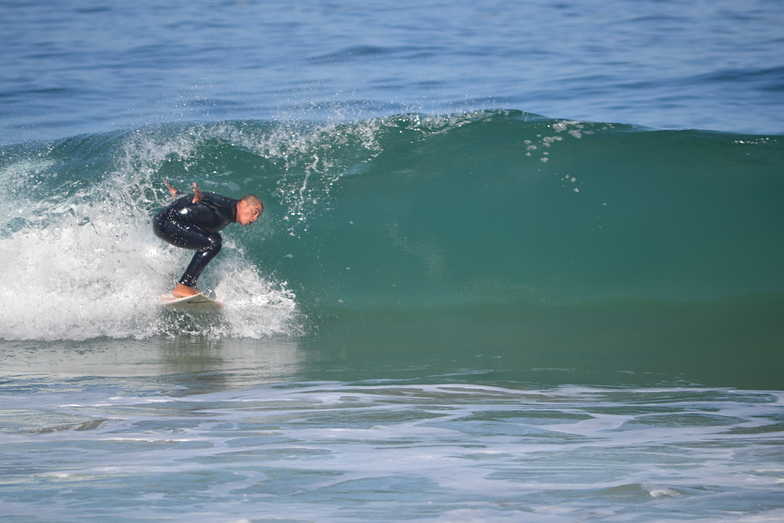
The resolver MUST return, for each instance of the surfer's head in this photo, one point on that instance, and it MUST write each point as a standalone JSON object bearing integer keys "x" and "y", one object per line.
{"x": 249, "y": 208}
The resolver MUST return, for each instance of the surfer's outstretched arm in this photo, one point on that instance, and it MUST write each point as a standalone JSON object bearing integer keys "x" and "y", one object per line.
{"x": 174, "y": 192}
{"x": 197, "y": 195}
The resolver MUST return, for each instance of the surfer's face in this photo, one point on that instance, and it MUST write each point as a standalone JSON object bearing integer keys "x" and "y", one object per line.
{"x": 247, "y": 214}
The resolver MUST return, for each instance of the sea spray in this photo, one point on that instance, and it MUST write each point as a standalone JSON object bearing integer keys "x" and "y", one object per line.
{"x": 80, "y": 261}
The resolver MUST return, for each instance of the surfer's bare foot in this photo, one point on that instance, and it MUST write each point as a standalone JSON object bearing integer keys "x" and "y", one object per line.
{"x": 182, "y": 291}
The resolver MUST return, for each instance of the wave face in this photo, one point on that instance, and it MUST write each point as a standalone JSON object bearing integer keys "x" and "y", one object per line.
{"x": 494, "y": 229}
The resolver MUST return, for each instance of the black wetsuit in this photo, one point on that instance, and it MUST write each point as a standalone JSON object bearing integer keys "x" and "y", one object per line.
{"x": 195, "y": 226}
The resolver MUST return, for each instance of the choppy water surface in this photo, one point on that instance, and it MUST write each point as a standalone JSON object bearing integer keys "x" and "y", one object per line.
{"x": 71, "y": 67}
{"x": 327, "y": 451}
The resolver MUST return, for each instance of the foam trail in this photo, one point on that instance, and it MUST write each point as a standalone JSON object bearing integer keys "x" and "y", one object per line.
{"x": 79, "y": 259}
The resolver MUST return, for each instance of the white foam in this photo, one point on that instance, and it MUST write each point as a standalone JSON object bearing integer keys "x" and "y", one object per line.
{"x": 81, "y": 264}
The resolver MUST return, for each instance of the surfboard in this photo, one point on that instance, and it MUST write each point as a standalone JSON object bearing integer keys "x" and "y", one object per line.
{"x": 197, "y": 301}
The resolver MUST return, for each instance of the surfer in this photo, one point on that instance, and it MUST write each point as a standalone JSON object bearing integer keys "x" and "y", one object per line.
{"x": 193, "y": 221}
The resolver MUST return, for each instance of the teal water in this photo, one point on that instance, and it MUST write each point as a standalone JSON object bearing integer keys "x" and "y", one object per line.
{"x": 545, "y": 243}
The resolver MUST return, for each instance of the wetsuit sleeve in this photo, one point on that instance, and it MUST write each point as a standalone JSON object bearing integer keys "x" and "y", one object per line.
{"x": 223, "y": 206}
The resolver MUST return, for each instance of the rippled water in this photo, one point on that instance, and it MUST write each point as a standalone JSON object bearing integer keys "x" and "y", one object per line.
{"x": 388, "y": 451}
{"x": 71, "y": 67}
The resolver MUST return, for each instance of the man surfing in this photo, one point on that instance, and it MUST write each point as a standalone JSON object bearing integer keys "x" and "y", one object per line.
{"x": 193, "y": 221}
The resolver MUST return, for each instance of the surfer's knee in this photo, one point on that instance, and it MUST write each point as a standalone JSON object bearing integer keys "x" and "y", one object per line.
{"x": 215, "y": 243}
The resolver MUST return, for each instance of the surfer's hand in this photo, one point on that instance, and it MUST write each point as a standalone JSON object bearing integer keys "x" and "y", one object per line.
{"x": 197, "y": 195}
{"x": 172, "y": 190}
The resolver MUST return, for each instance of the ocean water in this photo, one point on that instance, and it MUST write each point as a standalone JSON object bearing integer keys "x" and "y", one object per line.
{"x": 517, "y": 262}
